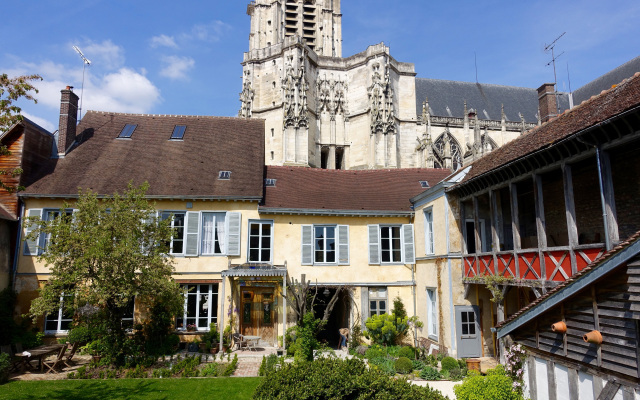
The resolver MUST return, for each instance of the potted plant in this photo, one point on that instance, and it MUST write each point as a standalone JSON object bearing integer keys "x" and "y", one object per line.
{"x": 191, "y": 327}
{"x": 96, "y": 348}
{"x": 211, "y": 338}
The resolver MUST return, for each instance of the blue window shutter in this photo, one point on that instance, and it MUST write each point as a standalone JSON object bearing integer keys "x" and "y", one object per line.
{"x": 31, "y": 245}
{"x": 307, "y": 244}
{"x": 374, "y": 244}
{"x": 343, "y": 244}
{"x": 408, "y": 251}
{"x": 193, "y": 230}
{"x": 234, "y": 220}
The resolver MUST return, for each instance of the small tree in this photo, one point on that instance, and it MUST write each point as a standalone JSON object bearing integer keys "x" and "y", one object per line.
{"x": 11, "y": 90}
{"x": 107, "y": 252}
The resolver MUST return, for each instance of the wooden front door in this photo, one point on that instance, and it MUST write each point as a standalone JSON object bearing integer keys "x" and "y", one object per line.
{"x": 258, "y": 316}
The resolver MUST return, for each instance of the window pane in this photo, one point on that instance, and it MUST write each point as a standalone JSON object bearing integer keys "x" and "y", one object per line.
{"x": 472, "y": 329}
{"x": 266, "y": 229}
{"x": 246, "y": 313}
{"x": 266, "y": 255}
{"x": 373, "y": 306}
{"x": 254, "y": 242}
{"x": 465, "y": 329}
{"x": 383, "y": 306}
{"x": 254, "y": 255}
{"x": 266, "y": 242}
{"x": 464, "y": 317}
{"x": 254, "y": 229}
{"x": 331, "y": 256}
{"x": 191, "y": 305}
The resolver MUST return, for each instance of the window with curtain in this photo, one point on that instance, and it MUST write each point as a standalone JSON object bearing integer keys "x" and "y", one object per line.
{"x": 429, "y": 247}
{"x": 200, "y": 307}
{"x": 213, "y": 233}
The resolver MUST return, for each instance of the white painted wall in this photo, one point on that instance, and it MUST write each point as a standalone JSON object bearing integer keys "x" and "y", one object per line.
{"x": 525, "y": 378}
{"x": 585, "y": 386}
{"x": 562, "y": 381}
{"x": 542, "y": 384}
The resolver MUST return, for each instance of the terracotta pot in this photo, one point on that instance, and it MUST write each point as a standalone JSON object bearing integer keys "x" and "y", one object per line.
{"x": 559, "y": 327}
{"x": 473, "y": 364}
{"x": 593, "y": 337}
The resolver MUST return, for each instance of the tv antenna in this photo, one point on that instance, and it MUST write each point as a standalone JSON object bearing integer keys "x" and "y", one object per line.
{"x": 85, "y": 62}
{"x": 553, "y": 61}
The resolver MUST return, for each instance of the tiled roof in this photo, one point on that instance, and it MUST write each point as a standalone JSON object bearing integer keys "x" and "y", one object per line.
{"x": 589, "y": 268}
{"x": 361, "y": 190}
{"x": 181, "y": 168}
{"x": 598, "y": 109}
{"x": 607, "y": 80}
{"x": 446, "y": 99}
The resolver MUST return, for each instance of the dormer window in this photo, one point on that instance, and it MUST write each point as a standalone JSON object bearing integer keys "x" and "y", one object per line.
{"x": 424, "y": 184}
{"x": 270, "y": 182}
{"x": 178, "y": 132}
{"x": 226, "y": 175}
{"x": 127, "y": 131}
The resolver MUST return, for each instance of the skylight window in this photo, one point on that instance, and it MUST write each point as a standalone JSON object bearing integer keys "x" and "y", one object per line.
{"x": 270, "y": 182}
{"x": 225, "y": 175}
{"x": 178, "y": 132}
{"x": 127, "y": 131}
{"x": 424, "y": 184}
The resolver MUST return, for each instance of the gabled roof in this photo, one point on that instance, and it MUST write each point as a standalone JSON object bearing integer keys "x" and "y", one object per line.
{"x": 597, "y": 110}
{"x": 187, "y": 168}
{"x": 346, "y": 192}
{"x": 609, "y": 261}
{"x": 607, "y": 80}
{"x": 446, "y": 99}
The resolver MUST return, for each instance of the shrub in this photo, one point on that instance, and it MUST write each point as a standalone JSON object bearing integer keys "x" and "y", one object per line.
{"x": 382, "y": 329}
{"x": 330, "y": 378}
{"x": 404, "y": 365}
{"x": 375, "y": 352}
{"x": 418, "y": 365}
{"x": 495, "y": 386}
{"x": 462, "y": 363}
{"x": 5, "y": 364}
{"x": 407, "y": 351}
{"x": 79, "y": 334}
{"x": 449, "y": 363}
{"x": 386, "y": 365}
{"x": 268, "y": 365}
{"x": 362, "y": 350}
{"x": 456, "y": 374}
{"x": 431, "y": 360}
{"x": 430, "y": 374}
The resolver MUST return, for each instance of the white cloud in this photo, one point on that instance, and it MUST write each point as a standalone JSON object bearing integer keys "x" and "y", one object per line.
{"x": 40, "y": 121}
{"x": 177, "y": 67}
{"x": 123, "y": 91}
{"x": 163, "y": 41}
{"x": 107, "y": 54}
{"x": 211, "y": 32}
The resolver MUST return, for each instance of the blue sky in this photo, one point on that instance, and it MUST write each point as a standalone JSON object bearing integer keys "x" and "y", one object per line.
{"x": 165, "y": 57}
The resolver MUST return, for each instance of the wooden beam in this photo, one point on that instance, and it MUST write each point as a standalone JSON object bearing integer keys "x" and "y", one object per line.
{"x": 596, "y": 321}
{"x": 638, "y": 347}
{"x": 533, "y": 386}
{"x": 609, "y": 391}
{"x": 515, "y": 225}
{"x": 496, "y": 224}
{"x": 574, "y": 392}
{"x": 540, "y": 225}
{"x": 609, "y": 199}
{"x": 551, "y": 380}
{"x": 476, "y": 223}
{"x": 570, "y": 210}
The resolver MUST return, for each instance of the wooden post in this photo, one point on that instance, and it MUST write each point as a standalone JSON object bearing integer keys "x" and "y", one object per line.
{"x": 551, "y": 380}
{"x": 221, "y": 319}
{"x": 540, "y": 224}
{"x": 463, "y": 223}
{"x": 476, "y": 222}
{"x": 496, "y": 227}
{"x": 596, "y": 321}
{"x": 609, "y": 199}
{"x": 570, "y": 209}
{"x": 515, "y": 226}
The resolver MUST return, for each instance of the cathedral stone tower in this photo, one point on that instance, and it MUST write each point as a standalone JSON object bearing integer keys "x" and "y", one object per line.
{"x": 365, "y": 111}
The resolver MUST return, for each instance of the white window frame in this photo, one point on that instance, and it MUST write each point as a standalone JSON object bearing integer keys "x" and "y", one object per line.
{"x": 260, "y": 236}
{"x": 433, "y": 318}
{"x": 223, "y": 247}
{"x": 407, "y": 245}
{"x": 166, "y": 214}
{"x": 133, "y": 316}
{"x": 324, "y": 250}
{"x": 429, "y": 242}
{"x": 213, "y": 314}
{"x": 375, "y": 297}
{"x": 391, "y": 249}
{"x": 58, "y": 318}
{"x": 341, "y": 240}
{"x": 47, "y": 214}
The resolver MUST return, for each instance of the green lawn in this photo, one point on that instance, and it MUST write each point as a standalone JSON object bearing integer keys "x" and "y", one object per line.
{"x": 132, "y": 389}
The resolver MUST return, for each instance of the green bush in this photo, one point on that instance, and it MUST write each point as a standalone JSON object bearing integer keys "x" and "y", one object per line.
{"x": 418, "y": 365}
{"x": 5, "y": 364}
{"x": 404, "y": 365}
{"x": 268, "y": 364}
{"x": 375, "y": 351}
{"x": 431, "y": 360}
{"x": 495, "y": 386}
{"x": 462, "y": 363}
{"x": 456, "y": 374}
{"x": 430, "y": 374}
{"x": 382, "y": 329}
{"x": 407, "y": 351}
{"x": 213, "y": 336}
{"x": 449, "y": 363}
{"x": 330, "y": 378}
{"x": 79, "y": 334}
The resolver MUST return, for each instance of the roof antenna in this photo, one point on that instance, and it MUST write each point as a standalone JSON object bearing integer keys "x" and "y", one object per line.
{"x": 85, "y": 62}
{"x": 553, "y": 61}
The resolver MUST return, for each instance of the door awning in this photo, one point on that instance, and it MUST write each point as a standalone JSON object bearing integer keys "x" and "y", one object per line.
{"x": 255, "y": 270}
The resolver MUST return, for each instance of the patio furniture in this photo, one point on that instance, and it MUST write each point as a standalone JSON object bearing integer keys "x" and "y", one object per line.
{"x": 239, "y": 341}
{"x": 72, "y": 352}
{"x": 56, "y": 362}
{"x": 15, "y": 361}
{"x": 252, "y": 341}
{"x": 38, "y": 354}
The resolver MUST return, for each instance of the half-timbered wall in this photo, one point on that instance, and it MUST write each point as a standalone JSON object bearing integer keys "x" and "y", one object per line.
{"x": 625, "y": 170}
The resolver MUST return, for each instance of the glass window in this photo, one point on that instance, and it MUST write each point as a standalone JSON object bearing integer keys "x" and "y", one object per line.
{"x": 428, "y": 232}
{"x": 260, "y": 239}
{"x": 127, "y": 131}
{"x": 178, "y": 132}
{"x": 325, "y": 244}
{"x": 432, "y": 313}
{"x": 390, "y": 244}
{"x": 50, "y": 215}
{"x": 377, "y": 301}
{"x": 127, "y": 318}
{"x": 213, "y": 233}
{"x": 59, "y": 321}
{"x": 177, "y": 223}
{"x": 200, "y": 307}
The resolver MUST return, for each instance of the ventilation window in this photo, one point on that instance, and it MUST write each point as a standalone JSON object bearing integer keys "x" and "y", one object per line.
{"x": 270, "y": 182}
{"x": 225, "y": 175}
{"x": 178, "y": 132}
{"x": 424, "y": 184}
{"x": 127, "y": 131}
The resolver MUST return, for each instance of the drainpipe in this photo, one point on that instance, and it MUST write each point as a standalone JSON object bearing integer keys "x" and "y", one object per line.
{"x": 451, "y": 306}
{"x": 413, "y": 288}
{"x": 16, "y": 251}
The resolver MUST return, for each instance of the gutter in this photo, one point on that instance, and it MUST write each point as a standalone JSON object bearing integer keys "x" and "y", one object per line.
{"x": 155, "y": 197}
{"x": 339, "y": 213}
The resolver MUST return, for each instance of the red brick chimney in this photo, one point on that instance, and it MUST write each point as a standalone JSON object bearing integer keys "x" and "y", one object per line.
{"x": 68, "y": 120}
{"x": 547, "y": 102}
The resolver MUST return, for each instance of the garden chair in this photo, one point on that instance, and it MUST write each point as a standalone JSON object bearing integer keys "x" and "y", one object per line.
{"x": 15, "y": 361}
{"x": 72, "y": 352}
{"x": 239, "y": 341}
{"x": 55, "y": 362}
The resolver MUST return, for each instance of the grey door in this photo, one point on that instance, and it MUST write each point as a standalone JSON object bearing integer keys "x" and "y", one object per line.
{"x": 468, "y": 331}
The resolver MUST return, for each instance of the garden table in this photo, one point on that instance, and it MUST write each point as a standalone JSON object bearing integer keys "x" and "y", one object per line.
{"x": 252, "y": 341}
{"x": 39, "y": 353}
